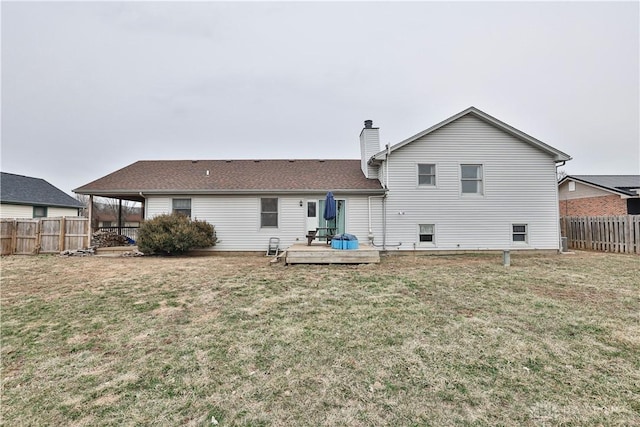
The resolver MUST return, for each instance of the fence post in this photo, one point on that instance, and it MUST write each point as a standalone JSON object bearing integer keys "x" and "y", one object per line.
{"x": 14, "y": 237}
{"x": 62, "y": 234}
{"x": 36, "y": 246}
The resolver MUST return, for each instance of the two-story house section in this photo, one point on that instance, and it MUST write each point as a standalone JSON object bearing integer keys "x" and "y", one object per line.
{"x": 471, "y": 182}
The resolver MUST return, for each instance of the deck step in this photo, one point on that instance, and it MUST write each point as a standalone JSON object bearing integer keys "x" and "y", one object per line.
{"x": 323, "y": 254}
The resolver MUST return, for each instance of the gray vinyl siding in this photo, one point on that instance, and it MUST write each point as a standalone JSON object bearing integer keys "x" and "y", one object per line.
{"x": 237, "y": 218}
{"x": 582, "y": 191}
{"x": 519, "y": 184}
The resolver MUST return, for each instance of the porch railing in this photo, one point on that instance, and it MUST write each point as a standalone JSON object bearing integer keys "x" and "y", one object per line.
{"x": 130, "y": 232}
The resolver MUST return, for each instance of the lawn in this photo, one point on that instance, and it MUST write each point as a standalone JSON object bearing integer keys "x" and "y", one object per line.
{"x": 432, "y": 340}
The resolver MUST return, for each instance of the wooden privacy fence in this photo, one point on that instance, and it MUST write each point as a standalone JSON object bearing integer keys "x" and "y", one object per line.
{"x": 43, "y": 235}
{"x": 603, "y": 233}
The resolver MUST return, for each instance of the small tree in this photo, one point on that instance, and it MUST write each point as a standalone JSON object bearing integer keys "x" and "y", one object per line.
{"x": 174, "y": 234}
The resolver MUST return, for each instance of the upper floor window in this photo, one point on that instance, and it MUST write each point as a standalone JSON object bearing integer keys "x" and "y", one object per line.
{"x": 39, "y": 211}
{"x": 182, "y": 206}
{"x": 268, "y": 212}
{"x": 426, "y": 174}
{"x": 471, "y": 179}
{"x": 572, "y": 186}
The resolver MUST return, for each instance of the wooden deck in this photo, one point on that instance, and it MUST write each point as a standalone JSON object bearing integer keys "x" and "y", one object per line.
{"x": 320, "y": 253}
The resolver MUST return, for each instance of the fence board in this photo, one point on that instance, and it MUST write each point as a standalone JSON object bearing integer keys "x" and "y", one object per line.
{"x": 606, "y": 233}
{"x": 7, "y": 231}
{"x": 44, "y": 235}
{"x": 50, "y": 235}
{"x": 26, "y": 236}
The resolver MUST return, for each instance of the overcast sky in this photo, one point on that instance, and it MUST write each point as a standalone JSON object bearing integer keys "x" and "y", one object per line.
{"x": 88, "y": 88}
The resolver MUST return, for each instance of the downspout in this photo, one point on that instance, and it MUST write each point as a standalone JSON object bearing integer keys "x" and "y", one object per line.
{"x": 384, "y": 200}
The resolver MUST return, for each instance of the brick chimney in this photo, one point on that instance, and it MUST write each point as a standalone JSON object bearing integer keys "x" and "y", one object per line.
{"x": 369, "y": 145}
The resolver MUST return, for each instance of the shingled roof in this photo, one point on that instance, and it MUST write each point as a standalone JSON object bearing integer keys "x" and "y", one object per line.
{"x": 233, "y": 176}
{"x": 25, "y": 190}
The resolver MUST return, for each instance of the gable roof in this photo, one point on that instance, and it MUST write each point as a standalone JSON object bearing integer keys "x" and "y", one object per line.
{"x": 233, "y": 177}
{"x": 558, "y": 155}
{"x": 25, "y": 190}
{"x": 620, "y": 184}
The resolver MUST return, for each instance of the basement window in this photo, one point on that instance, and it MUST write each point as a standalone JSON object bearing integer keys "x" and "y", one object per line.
{"x": 519, "y": 233}
{"x": 427, "y": 233}
{"x": 182, "y": 207}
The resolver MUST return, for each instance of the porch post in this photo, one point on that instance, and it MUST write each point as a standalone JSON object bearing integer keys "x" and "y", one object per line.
{"x": 90, "y": 215}
{"x": 119, "y": 216}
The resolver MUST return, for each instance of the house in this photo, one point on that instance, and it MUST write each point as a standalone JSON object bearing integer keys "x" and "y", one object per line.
{"x": 27, "y": 197}
{"x": 599, "y": 195}
{"x": 470, "y": 182}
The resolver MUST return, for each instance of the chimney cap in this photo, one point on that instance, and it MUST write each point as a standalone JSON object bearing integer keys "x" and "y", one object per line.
{"x": 368, "y": 124}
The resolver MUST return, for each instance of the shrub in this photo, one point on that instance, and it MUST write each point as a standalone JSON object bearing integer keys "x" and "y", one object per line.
{"x": 174, "y": 234}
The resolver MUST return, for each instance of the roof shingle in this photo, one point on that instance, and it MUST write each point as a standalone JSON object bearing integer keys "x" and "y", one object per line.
{"x": 233, "y": 175}
{"x": 19, "y": 189}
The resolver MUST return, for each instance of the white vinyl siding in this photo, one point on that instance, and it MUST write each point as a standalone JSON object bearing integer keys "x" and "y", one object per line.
{"x": 519, "y": 185}
{"x": 26, "y": 211}
{"x": 55, "y": 212}
{"x": 237, "y": 218}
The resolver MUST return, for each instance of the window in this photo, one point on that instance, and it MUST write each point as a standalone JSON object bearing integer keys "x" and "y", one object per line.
{"x": 182, "y": 206}
{"x": 426, "y": 174}
{"x": 471, "y": 179}
{"x": 427, "y": 233}
{"x": 268, "y": 212}
{"x": 572, "y": 186}
{"x": 519, "y": 233}
{"x": 311, "y": 209}
{"x": 39, "y": 211}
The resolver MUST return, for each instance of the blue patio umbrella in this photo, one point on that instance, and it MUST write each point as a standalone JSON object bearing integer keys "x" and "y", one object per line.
{"x": 329, "y": 207}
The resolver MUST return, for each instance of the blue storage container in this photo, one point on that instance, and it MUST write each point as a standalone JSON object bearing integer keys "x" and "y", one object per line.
{"x": 349, "y": 241}
{"x": 337, "y": 242}
{"x": 350, "y": 244}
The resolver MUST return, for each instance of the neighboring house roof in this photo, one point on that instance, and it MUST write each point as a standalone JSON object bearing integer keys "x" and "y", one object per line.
{"x": 25, "y": 190}
{"x": 558, "y": 155}
{"x": 626, "y": 185}
{"x": 232, "y": 177}
{"x": 132, "y": 217}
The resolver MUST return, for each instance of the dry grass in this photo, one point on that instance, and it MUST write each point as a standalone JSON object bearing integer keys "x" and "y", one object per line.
{"x": 551, "y": 340}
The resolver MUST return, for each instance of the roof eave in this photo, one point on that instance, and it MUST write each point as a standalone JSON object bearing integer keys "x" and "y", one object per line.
{"x": 143, "y": 192}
